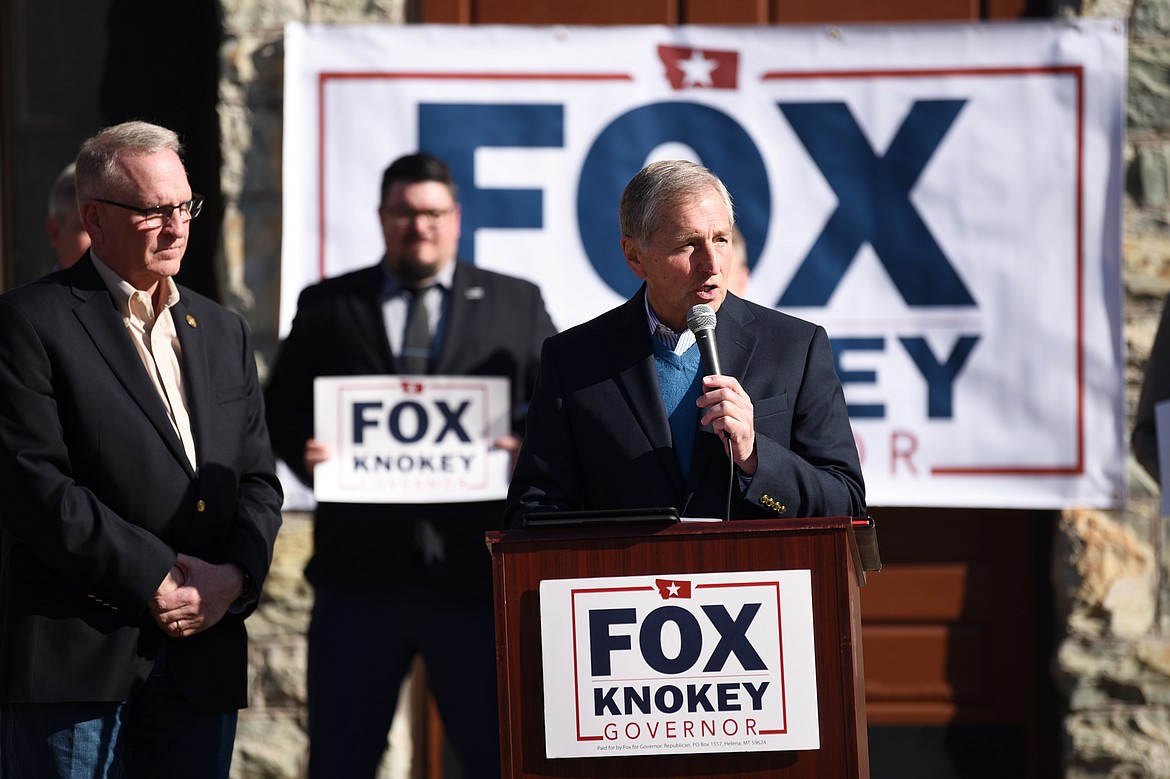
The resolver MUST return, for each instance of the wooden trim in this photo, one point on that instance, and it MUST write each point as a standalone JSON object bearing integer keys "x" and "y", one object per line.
{"x": 436, "y": 735}
{"x": 1006, "y": 9}
{"x": 445, "y": 11}
{"x": 863, "y": 11}
{"x": 598, "y": 12}
{"x": 726, "y": 12}
{"x": 672, "y": 12}
{"x": 730, "y": 12}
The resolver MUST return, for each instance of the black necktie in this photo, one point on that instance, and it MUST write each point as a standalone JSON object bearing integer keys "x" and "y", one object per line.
{"x": 416, "y": 343}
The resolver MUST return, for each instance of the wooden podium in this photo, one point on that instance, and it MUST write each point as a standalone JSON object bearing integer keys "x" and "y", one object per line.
{"x": 829, "y": 548}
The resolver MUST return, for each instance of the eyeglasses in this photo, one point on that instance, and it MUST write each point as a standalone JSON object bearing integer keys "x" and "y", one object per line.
{"x": 157, "y": 216}
{"x": 400, "y": 217}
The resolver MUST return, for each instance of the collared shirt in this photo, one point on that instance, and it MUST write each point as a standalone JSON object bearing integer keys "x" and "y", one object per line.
{"x": 676, "y": 342}
{"x": 396, "y": 300}
{"x": 158, "y": 346}
{"x": 396, "y": 306}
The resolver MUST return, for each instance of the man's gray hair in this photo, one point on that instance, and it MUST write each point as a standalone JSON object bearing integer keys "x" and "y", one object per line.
{"x": 63, "y": 195}
{"x": 97, "y": 171}
{"x": 662, "y": 185}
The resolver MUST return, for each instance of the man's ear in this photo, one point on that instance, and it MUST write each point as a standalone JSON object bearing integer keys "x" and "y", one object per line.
{"x": 458, "y": 217}
{"x": 633, "y": 255}
{"x": 91, "y": 219}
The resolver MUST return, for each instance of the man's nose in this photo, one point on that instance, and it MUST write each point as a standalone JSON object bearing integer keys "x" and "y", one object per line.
{"x": 175, "y": 223}
{"x": 707, "y": 257}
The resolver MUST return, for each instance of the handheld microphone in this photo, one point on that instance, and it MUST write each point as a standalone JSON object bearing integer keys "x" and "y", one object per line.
{"x": 701, "y": 322}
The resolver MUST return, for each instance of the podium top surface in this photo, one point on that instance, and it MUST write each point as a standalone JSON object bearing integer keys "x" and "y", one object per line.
{"x": 862, "y": 529}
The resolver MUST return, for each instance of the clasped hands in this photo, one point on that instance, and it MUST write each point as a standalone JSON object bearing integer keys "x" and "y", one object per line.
{"x": 195, "y": 595}
{"x": 727, "y": 408}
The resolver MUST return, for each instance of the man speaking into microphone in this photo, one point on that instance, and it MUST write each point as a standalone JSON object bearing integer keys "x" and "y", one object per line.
{"x": 628, "y": 412}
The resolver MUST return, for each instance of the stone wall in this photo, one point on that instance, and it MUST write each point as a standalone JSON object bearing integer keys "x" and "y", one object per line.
{"x": 272, "y": 741}
{"x": 1109, "y": 573}
{"x": 1109, "y": 568}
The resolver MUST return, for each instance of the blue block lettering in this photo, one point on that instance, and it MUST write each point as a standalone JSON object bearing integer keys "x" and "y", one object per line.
{"x": 420, "y": 417}
{"x": 361, "y": 421}
{"x": 454, "y": 131}
{"x": 874, "y": 205}
{"x": 690, "y": 643}
{"x": 451, "y": 423}
{"x": 622, "y": 149}
{"x": 602, "y": 642}
{"x": 940, "y": 377}
{"x": 842, "y": 345}
{"x": 733, "y": 638}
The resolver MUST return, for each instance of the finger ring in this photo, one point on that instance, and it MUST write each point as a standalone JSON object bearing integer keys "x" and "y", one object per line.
{"x": 179, "y": 625}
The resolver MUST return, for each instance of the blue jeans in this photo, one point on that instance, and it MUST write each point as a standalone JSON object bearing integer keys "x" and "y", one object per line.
{"x": 157, "y": 733}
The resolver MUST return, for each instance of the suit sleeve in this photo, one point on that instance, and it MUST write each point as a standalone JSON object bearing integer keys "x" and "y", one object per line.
{"x": 1155, "y": 388}
{"x": 540, "y": 327}
{"x": 548, "y": 473}
{"x": 288, "y": 395}
{"x": 62, "y": 522}
{"x": 818, "y": 474}
{"x": 258, "y": 494}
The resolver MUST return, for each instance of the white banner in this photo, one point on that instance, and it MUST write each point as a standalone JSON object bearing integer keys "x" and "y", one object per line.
{"x": 944, "y": 199}
{"x": 411, "y": 439}
{"x": 715, "y": 662}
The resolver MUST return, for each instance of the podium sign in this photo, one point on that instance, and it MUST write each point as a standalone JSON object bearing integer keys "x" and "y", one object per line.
{"x": 719, "y": 662}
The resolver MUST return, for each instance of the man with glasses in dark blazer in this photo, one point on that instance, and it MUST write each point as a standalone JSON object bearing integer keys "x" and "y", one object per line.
{"x": 137, "y": 493}
{"x": 395, "y": 581}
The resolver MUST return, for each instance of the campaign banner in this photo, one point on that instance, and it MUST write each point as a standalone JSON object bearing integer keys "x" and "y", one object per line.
{"x": 716, "y": 662}
{"x": 944, "y": 199}
{"x": 411, "y": 439}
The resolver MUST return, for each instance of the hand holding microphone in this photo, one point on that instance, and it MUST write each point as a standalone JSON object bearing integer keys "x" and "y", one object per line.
{"x": 724, "y": 404}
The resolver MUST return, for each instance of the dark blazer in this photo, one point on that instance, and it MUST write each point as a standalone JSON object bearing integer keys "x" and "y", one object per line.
{"x": 598, "y": 436}
{"x": 1155, "y": 389}
{"x": 494, "y": 326}
{"x": 97, "y": 496}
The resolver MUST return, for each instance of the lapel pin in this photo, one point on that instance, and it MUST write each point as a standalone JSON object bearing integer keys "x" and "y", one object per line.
{"x": 191, "y": 321}
{"x": 473, "y": 293}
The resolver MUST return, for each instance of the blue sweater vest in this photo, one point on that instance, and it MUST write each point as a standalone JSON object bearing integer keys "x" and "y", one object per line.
{"x": 680, "y": 383}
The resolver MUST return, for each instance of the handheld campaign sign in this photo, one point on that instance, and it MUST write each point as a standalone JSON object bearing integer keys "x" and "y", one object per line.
{"x": 411, "y": 439}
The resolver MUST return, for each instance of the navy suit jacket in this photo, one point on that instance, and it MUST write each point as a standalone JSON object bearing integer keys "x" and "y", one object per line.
{"x": 598, "y": 436}
{"x": 494, "y": 326}
{"x": 97, "y": 496}
{"x": 1155, "y": 389}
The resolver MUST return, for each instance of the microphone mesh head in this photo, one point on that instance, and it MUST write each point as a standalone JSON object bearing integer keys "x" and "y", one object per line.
{"x": 700, "y": 317}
